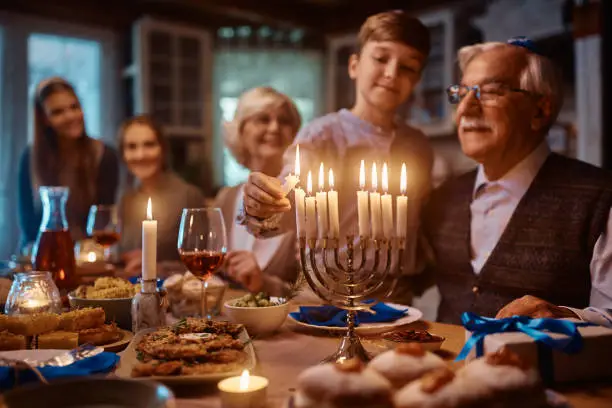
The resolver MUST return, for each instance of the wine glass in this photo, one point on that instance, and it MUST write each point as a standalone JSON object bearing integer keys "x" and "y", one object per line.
{"x": 103, "y": 227}
{"x": 202, "y": 245}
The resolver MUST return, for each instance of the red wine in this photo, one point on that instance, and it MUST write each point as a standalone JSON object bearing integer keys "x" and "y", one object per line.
{"x": 202, "y": 264}
{"x": 106, "y": 238}
{"x": 54, "y": 252}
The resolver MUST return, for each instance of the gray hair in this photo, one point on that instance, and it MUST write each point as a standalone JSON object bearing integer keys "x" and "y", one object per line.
{"x": 540, "y": 75}
{"x": 251, "y": 103}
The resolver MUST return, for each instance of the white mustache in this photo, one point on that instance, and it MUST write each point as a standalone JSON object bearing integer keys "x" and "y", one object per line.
{"x": 466, "y": 123}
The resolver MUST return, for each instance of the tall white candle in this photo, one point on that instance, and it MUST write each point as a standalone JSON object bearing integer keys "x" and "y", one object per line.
{"x": 311, "y": 218}
{"x": 362, "y": 204}
{"x": 322, "y": 205}
{"x": 299, "y": 195}
{"x": 149, "y": 245}
{"x": 386, "y": 203}
{"x": 332, "y": 201}
{"x": 375, "y": 206}
{"x": 402, "y": 206}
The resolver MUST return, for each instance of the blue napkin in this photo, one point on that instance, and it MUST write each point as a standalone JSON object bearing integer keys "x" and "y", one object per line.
{"x": 332, "y": 316}
{"x": 98, "y": 364}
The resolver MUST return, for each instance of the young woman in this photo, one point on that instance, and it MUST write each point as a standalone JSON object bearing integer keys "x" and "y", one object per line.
{"x": 265, "y": 124}
{"x": 62, "y": 154}
{"x": 144, "y": 151}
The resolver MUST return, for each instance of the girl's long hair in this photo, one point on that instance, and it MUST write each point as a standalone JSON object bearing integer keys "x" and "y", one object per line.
{"x": 47, "y": 159}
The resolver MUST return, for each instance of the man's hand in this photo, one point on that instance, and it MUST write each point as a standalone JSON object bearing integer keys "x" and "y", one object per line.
{"x": 243, "y": 268}
{"x": 534, "y": 307}
{"x": 264, "y": 196}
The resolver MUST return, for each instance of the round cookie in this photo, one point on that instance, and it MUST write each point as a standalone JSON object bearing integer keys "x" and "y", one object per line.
{"x": 342, "y": 385}
{"x": 406, "y": 363}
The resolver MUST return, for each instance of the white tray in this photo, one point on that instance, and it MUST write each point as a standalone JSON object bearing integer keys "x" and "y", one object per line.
{"x": 129, "y": 360}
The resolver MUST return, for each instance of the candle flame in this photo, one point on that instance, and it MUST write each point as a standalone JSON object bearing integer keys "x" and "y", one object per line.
{"x": 362, "y": 175}
{"x": 374, "y": 177}
{"x": 403, "y": 182}
{"x": 331, "y": 179}
{"x": 91, "y": 257}
{"x": 297, "y": 161}
{"x": 309, "y": 183}
{"x": 244, "y": 380}
{"x": 321, "y": 177}
{"x": 385, "y": 178}
{"x": 149, "y": 210}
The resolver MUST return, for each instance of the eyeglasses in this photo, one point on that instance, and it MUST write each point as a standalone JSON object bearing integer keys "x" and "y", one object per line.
{"x": 487, "y": 94}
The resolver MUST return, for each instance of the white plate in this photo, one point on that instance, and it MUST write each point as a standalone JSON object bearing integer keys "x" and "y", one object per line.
{"x": 128, "y": 360}
{"x": 413, "y": 315}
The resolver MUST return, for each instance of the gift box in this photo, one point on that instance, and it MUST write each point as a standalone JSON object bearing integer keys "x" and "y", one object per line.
{"x": 563, "y": 350}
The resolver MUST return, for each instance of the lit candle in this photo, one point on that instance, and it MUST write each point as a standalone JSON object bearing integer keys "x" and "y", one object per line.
{"x": 375, "y": 206}
{"x": 293, "y": 179}
{"x": 91, "y": 257}
{"x": 322, "y": 205}
{"x": 149, "y": 245}
{"x": 386, "y": 202}
{"x": 362, "y": 204}
{"x": 245, "y": 391}
{"x": 332, "y": 201}
{"x": 402, "y": 206}
{"x": 311, "y": 219}
{"x": 299, "y": 196}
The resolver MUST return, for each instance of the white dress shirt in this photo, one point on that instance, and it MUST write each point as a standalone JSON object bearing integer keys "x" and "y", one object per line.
{"x": 494, "y": 202}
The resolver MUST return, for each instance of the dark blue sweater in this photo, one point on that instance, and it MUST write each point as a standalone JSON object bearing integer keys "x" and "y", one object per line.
{"x": 31, "y": 215}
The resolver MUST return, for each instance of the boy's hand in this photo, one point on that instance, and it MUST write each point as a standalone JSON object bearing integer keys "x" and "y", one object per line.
{"x": 264, "y": 196}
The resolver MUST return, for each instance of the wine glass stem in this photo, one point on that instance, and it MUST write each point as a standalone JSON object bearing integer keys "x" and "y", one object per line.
{"x": 204, "y": 301}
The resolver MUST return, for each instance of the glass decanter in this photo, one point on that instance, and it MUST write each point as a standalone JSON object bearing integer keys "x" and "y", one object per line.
{"x": 33, "y": 292}
{"x": 54, "y": 248}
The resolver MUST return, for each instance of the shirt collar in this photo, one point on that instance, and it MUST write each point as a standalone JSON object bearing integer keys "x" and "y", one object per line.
{"x": 519, "y": 178}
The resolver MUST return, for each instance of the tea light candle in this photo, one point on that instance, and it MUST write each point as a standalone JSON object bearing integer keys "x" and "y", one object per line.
{"x": 245, "y": 391}
{"x": 30, "y": 306}
{"x": 362, "y": 204}
{"x": 149, "y": 245}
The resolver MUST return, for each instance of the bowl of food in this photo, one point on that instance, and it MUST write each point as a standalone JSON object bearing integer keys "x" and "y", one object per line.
{"x": 428, "y": 341}
{"x": 114, "y": 295}
{"x": 260, "y": 313}
{"x": 185, "y": 294}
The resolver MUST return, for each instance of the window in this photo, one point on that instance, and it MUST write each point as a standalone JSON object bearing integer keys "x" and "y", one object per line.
{"x": 74, "y": 59}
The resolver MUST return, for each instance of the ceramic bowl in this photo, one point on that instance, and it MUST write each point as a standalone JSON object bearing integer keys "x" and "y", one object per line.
{"x": 117, "y": 310}
{"x": 258, "y": 320}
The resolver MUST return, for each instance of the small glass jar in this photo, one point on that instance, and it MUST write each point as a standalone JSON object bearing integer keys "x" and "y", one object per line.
{"x": 33, "y": 292}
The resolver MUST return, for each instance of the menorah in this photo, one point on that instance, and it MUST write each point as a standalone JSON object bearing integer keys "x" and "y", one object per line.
{"x": 350, "y": 279}
{"x": 350, "y": 285}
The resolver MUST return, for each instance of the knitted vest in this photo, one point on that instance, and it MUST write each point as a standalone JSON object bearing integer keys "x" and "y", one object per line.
{"x": 545, "y": 250}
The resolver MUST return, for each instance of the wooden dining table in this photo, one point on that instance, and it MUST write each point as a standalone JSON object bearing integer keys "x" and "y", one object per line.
{"x": 282, "y": 356}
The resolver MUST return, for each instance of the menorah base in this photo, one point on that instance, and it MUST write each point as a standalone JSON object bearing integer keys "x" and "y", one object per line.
{"x": 349, "y": 348}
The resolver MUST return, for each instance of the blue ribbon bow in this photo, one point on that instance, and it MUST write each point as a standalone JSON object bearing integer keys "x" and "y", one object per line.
{"x": 535, "y": 328}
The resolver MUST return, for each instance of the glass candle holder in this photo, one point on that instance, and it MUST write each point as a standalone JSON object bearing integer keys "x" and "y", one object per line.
{"x": 33, "y": 292}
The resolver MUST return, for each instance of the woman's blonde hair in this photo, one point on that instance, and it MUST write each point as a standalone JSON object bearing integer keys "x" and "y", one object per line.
{"x": 251, "y": 103}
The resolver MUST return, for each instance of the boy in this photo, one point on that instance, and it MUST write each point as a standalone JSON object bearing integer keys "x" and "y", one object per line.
{"x": 393, "y": 48}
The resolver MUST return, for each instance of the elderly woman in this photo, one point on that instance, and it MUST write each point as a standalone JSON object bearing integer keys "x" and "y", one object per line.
{"x": 265, "y": 123}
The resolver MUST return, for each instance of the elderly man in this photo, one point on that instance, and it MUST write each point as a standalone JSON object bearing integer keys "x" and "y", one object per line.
{"x": 528, "y": 232}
